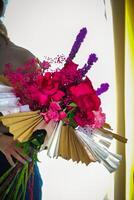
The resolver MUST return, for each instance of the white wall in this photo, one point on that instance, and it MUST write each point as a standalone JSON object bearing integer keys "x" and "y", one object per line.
{"x": 49, "y": 27}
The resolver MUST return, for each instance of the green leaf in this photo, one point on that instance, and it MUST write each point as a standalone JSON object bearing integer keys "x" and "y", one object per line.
{"x": 11, "y": 185}
{"x": 71, "y": 115}
{"x": 73, "y": 104}
{"x": 25, "y": 182}
{"x": 35, "y": 142}
{"x": 5, "y": 175}
{"x": 20, "y": 181}
{"x": 72, "y": 123}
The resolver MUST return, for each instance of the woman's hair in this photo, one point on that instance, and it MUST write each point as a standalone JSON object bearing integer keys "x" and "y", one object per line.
{"x": 3, "y": 32}
{"x": 1, "y": 7}
{"x": 3, "y": 28}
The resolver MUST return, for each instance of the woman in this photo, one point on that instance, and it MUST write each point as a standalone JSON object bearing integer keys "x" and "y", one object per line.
{"x": 10, "y": 53}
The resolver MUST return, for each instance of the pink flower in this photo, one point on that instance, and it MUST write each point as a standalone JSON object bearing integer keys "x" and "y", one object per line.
{"x": 99, "y": 119}
{"x": 45, "y": 64}
{"x": 62, "y": 115}
{"x": 54, "y": 113}
{"x": 55, "y": 106}
{"x": 42, "y": 99}
{"x": 46, "y": 117}
{"x": 51, "y": 115}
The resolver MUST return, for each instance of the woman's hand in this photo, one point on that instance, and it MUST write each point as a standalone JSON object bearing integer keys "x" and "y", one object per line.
{"x": 9, "y": 148}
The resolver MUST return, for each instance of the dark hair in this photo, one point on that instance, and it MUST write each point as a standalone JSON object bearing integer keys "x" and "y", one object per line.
{"x": 1, "y": 7}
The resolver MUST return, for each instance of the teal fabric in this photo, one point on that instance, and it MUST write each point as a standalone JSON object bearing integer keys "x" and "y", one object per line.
{"x": 37, "y": 190}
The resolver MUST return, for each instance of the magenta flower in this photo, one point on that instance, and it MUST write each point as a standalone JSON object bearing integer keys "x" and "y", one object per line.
{"x": 51, "y": 115}
{"x": 62, "y": 115}
{"x": 55, "y": 106}
{"x": 45, "y": 64}
{"x": 54, "y": 113}
{"x": 58, "y": 96}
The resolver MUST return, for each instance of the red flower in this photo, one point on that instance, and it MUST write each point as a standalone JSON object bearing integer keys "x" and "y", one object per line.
{"x": 50, "y": 86}
{"x": 85, "y": 96}
{"x": 69, "y": 74}
{"x": 42, "y": 99}
{"x": 56, "y": 76}
{"x": 83, "y": 119}
{"x": 58, "y": 95}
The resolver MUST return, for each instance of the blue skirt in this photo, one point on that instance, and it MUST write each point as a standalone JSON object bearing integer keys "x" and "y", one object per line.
{"x": 37, "y": 187}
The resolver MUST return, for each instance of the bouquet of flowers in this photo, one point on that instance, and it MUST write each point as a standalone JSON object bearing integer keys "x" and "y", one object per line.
{"x": 35, "y": 95}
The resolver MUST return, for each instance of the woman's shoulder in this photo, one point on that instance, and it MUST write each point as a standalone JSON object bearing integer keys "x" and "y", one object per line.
{"x": 20, "y": 54}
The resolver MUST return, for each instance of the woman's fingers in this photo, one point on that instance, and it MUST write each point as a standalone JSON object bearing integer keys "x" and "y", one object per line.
{"x": 10, "y": 160}
{"x": 20, "y": 151}
{"x": 9, "y": 148}
{"x": 18, "y": 157}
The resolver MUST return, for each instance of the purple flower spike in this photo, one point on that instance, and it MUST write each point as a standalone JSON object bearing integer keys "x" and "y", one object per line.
{"x": 92, "y": 58}
{"x": 79, "y": 39}
{"x": 103, "y": 88}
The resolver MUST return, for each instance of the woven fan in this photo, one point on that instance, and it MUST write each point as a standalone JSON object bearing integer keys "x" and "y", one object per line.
{"x": 83, "y": 145}
{"x": 22, "y": 124}
{"x": 70, "y": 147}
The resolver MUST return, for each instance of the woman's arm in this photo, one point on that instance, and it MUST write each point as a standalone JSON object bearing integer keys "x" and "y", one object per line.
{"x": 17, "y": 56}
{"x": 8, "y": 146}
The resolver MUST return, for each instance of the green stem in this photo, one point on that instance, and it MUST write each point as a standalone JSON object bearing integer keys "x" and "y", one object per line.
{"x": 20, "y": 181}
{"x": 9, "y": 188}
{"x": 5, "y": 175}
